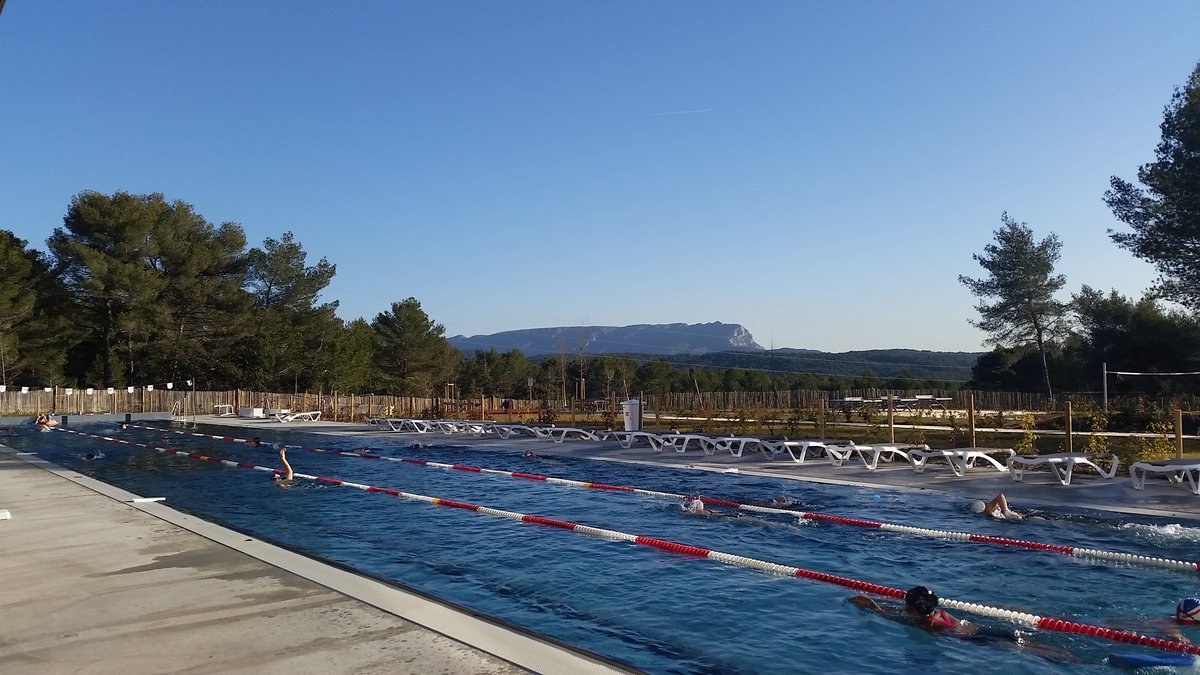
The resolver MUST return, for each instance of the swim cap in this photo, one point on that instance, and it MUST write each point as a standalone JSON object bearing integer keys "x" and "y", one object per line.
{"x": 978, "y": 506}
{"x": 1188, "y": 610}
{"x": 921, "y": 600}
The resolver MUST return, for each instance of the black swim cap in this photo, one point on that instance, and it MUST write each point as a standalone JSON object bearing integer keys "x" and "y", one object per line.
{"x": 921, "y": 600}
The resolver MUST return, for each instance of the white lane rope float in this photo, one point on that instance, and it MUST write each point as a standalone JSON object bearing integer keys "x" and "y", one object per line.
{"x": 1075, "y": 551}
{"x": 1020, "y": 618}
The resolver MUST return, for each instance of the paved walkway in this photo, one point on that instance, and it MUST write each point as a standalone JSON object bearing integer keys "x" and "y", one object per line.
{"x": 93, "y": 582}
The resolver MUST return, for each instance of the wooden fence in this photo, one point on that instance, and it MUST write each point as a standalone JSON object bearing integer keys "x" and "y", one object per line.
{"x": 345, "y": 407}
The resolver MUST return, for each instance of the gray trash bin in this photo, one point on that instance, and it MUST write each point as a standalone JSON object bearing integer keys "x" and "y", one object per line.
{"x": 632, "y": 411}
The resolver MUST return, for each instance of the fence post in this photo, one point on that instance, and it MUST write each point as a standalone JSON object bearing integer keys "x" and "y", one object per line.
{"x": 891, "y": 420}
{"x": 1070, "y": 443}
{"x": 1179, "y": 433}
{"x": 971, "y": 418}
{"x": 821, "y": 416}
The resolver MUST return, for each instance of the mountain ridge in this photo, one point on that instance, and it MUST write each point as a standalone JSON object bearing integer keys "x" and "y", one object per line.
{"x": 718, "y": 345}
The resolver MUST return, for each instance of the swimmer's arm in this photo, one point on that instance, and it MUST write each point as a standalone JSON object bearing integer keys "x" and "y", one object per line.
{"x": 866, "y": 603}
{"x": 1176, "y": 634}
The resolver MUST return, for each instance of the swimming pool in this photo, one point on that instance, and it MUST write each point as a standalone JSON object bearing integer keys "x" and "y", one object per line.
{"x": 657, "y": 611}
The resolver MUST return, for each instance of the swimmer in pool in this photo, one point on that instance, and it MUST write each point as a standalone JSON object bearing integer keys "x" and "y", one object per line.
{"x": 997, "y": 508}
{"x": 695, "y": 507}
{"x": 1187, "y": 613}
{"x": 94, "y": 455}
{"x": 529, "y": 454}
{"x": 284, "y": 479}
{"x": 920, "y": 610}
{"x": 255, "y": 442}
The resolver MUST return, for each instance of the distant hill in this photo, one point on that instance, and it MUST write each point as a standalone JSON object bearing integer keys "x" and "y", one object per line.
{"x": 883, "y": 362}
{"x": 654, "y": 339}
{"x": 718, "y": 345}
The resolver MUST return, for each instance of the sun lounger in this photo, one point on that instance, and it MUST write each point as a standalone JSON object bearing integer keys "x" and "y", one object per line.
{"x": 312, "y": 416}
{"x": 959, "y": 459}
{"x": 560, "y": 434}
{"x": 680, "y": 442}
{"x": 627, "y": 439}
{"x": 409, "y": 424}
{"x": 738, "y": 445}
{"x": 1062, "y": 464}
{"x": 835, "y": 450}
{"x": 1177, "y": 470}
{"x": 224, "y": 411}
{"x": 505, "y": 431}
{"x": 887, "y": 452}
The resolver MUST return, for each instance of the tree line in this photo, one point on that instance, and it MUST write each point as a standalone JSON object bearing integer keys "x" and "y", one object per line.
{"x": 1042, "y": 342}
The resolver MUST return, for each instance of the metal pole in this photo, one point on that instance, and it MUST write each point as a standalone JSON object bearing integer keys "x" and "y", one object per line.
{"x": 1179, "y": 433}
{"x": 1105, "y": 387}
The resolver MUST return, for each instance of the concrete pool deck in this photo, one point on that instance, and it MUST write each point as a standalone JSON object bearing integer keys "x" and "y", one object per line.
{"x": 95, "y": 581}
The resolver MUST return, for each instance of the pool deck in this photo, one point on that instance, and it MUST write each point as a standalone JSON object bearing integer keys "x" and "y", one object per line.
{"x": 98, "y": 582}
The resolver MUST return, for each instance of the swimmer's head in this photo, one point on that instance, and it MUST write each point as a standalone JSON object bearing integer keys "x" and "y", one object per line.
{"x": 1188, "y": 610}
{"x": 921, "y": 600}
{"x": 978, "y": 506}
{"x": 528, "y": 454}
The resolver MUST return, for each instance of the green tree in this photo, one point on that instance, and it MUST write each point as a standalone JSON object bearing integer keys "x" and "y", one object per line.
{"x": 17, "y": 300}
{"x": 104, "y": 252}
{"x": 1139, "y": 336}
{"x": 1021, "y": 284}
{"x": 295, "y": 335}
{"x": 1164, "y": 216}
{"x": 203, "y": 310}
{"x": 412, "y": 355}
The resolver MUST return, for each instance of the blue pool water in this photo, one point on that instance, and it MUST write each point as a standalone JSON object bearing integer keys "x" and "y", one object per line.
{"x": 662, "y": 612}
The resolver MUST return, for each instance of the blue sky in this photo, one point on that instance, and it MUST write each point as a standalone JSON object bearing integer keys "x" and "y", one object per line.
{"x": 820, "y": 172}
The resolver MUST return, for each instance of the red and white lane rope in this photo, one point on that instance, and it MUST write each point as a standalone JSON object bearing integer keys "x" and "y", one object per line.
{"x": 1020, "y": 618}
{"x": 1075, "y": 551}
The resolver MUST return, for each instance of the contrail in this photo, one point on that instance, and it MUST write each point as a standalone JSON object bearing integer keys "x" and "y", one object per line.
{"x": 672, "y": 112}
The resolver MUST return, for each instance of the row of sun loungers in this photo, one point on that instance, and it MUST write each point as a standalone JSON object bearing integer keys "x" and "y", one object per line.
{"x": 834, "y": 451}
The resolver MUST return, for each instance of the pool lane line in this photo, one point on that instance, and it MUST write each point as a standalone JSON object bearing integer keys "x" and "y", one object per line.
{"x": 948, "y": 535}
{"x": 1020, "y": 618}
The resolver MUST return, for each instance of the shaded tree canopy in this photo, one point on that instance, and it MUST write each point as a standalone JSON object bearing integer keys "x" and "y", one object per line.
{"x": 1164, "y": 213}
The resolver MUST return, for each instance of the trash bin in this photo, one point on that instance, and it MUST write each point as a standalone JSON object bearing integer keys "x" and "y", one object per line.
{"x": 632, "y": 411}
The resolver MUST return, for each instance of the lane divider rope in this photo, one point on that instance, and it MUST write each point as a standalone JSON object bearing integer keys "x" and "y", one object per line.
{"x": 1020, "y": 618}
{"x": 948, "y": 535}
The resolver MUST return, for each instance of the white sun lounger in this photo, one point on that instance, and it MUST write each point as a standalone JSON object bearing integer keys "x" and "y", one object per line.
{"x": 311, "y": 416}
{"x": 959, "y": 459}
{"x": 408, "y": 423}
{"x": 835, "y": 450}
{"x": 738, "y": 445}
{"x": 560, "y": 434}
{"x": 627, "y": 439}
{"x": 1061, "y": 463}
{"x": 506, "y": 431}
{"x": 680, "y": 442}
{"x": 1177, "y": 470}
{"x": 872, "y": 454}
{"x": 223, "y": 410}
